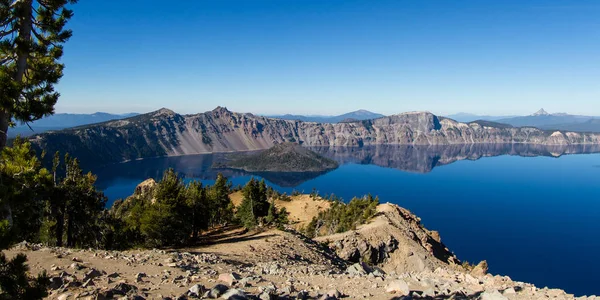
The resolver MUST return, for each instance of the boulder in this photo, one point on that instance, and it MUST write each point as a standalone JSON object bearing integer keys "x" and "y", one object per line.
{"x": 398, "y": 287}
{"x": 229, "y": 278}
{"x": 91, "y": 274}
{"x": 196, "y": 290}
{"x": 234, "y": 294}
{"x": 480, "y": 270}
{"x": 359, "y": 269}
{"x": 216, "y": 291}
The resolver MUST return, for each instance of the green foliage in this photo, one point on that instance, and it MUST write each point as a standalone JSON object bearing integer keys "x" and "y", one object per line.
{"x": 74, "y": 205}
{"x": 23, "y": 183}
{"x": 254, "y": 206}
{"x": 341, "y": 217}
{"x": 165, "y": 222}
{"x": 30, "y": 49}
{"x": 171, "y": 214}
{"x": 15, "y": 282}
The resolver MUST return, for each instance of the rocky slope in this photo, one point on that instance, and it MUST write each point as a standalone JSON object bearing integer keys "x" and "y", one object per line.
{"x": 165, "y": 133}
{"x": 406, "y": 260}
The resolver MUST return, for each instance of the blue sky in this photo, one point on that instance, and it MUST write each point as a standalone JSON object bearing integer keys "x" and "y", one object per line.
{"x": 330, "y": 56}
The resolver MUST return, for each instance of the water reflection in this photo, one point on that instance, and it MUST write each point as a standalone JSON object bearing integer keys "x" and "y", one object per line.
{"x": 410, "y": 158}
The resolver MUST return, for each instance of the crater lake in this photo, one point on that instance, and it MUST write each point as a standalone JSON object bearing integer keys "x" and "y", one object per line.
{"x": 531, "y": 211}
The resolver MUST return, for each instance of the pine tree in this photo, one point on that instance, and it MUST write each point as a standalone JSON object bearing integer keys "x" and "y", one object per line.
{"x": 198, "y": 207}
{"x": 32, "y": 35}
{"x": 221, "y": 207}
{"x": 254, "y": 205}
{"x": 22, "y": 182}
{"x": 84, "y": 204}
{"x": 164, "y": 222}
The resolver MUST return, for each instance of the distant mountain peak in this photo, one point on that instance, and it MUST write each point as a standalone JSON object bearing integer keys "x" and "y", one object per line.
{"x": 541, "y": 112}
{"x": 221, "y": 109}
{"x": 163, "y": 112}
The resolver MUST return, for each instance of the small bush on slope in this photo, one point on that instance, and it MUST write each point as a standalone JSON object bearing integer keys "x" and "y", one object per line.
{"x": 342, "y": 217}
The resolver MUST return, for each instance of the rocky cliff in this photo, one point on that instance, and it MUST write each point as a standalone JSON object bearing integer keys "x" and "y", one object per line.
{"x": 166, "y": 133}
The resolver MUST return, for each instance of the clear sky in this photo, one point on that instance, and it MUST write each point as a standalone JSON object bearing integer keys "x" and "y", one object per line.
{"x": 332, "y": 56}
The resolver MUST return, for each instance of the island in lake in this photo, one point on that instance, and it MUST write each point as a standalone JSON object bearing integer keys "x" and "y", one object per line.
{"x": 284, "y": 157}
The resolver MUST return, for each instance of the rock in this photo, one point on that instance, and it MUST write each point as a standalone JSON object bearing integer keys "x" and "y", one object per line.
{"x": 359, "y": 269}
{"x": 234, "y": 294}
{"x": 139, "y": 277}
{"x": 88, "y": 283}
{"x": 509, "y": 291}
{"x": 229, "y": 278}
{"x": 492, "y": 295}
{"x": 76, "y": 266}
{"x": 196, "y": 290}
{"x": 55, "y": 283}
{"x": 429, "y": 292}
{"x": 64, "y": 296}
{"x": 93, "y": 273}
{"x": 334, "y": 294}
{"x": 398, "y": 287}
{"x": 377, "y": 272}
{"x": 113, "y": 275}
{"x": 302, "y": 295}
{"x": 480, "y": 270}
{"x": 216, "y": 291}
{"x": 124, "y": 289}
{"x": 267, "y": 296}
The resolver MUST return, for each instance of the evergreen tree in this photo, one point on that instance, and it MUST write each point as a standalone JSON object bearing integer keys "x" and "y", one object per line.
{"x": 221, "y": 208}
{"x": 84, "y": 204}
{"x": 198, "y": 207}
{"x": 22, "y": 182}
{"x": 254, "y": 205}
{"x": 31, "y": 42}
{"x": 15, "y": 282}
{"x": 164, "y": 222}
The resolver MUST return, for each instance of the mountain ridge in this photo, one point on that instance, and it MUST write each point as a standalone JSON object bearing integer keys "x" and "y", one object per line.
{"x": 361, "y": 114}
{"x": 166, "y": 133}
{"x": 64, "y": 120}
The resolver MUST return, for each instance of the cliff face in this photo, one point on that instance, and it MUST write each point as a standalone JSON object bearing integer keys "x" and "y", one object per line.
{"x": 165, "y": 133}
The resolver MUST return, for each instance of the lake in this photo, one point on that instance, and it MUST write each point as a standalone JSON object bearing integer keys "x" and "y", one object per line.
{"x": 531, "y": 211}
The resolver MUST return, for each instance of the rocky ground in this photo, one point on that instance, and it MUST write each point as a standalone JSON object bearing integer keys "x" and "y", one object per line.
{"x": 407, "y": 261}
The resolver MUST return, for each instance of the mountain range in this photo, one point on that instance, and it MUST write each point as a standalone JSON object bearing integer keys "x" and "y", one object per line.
{"x": 348, "y": 117}
{"x": 64, "y": 120}
{"x": 540, "y": 119}
{"x": 166, "y": 133}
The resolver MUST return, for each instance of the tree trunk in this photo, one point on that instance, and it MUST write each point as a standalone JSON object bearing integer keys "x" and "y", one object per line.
{"x": 60, "y": 227}
{"x": 69, "y": 231}
{"x": 4, "y": 120}
{"x": 22, "y": 55}
{"x": 24, "y": 35}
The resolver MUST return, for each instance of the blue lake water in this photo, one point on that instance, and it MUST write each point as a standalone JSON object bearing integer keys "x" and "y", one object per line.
{"x": 533, "y": 214}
